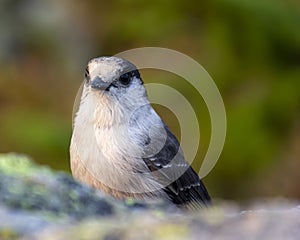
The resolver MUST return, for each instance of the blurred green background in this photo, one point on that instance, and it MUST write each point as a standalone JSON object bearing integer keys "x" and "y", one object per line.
{"x": 251, "y": 48}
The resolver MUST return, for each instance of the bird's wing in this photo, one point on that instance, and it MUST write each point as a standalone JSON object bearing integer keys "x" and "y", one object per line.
{"x": 183, "y": 185}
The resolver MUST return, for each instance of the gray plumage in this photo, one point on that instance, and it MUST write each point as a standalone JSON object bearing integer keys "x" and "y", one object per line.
{"x": 120, "y": 144}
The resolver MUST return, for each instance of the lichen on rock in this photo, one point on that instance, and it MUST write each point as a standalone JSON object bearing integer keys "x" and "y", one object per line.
{"x": 39, "y": 203}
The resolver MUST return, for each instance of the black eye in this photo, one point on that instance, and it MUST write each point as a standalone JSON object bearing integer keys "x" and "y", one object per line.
{"x": 87, "y": 73}
{"x": 125, "y": 79}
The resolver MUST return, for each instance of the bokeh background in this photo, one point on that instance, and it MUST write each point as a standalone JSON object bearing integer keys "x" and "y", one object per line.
{"x": 250, "y": 48}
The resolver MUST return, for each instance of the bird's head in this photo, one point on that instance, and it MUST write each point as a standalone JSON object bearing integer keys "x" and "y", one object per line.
{"x": 113, "y": 89}
{"x": 114, "y": 79}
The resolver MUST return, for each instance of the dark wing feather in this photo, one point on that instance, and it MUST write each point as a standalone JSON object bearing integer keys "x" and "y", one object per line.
{"x": 169, "y": 163}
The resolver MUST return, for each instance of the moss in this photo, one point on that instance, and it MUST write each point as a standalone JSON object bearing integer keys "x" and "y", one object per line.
{"x": 8, "y": 234}
{"x": 172, "y": 231}
{"x": 19, "y": 164}
{"x": 15, "y": 163}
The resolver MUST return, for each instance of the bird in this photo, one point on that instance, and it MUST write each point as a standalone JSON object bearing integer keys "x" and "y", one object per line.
{"x": 121, "y": 146}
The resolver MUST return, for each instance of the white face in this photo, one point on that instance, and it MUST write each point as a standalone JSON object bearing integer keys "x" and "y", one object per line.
{"x": 114, "y": 80}
{"x": 108, "y": 68}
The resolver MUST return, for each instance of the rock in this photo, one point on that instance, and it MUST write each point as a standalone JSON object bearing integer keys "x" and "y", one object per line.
{"x": 215, "y": 223}
{"x": 26, "y": 186}
{"x": 34, "y": 197}
{"x": 39, "y": 203}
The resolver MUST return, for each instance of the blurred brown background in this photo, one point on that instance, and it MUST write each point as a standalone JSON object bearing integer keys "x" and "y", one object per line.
{"x": 250, "y": 48}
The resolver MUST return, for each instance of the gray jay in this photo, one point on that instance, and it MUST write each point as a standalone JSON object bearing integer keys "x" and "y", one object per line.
{"x": 121, "y": 146}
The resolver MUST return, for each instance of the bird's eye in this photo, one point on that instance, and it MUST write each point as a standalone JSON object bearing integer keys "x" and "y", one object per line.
{"x": 125, "y": 79}
{"x": 87, "y": 73}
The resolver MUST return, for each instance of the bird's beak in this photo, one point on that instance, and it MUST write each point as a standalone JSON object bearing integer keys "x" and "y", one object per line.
{"x": 98, "y": 83}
